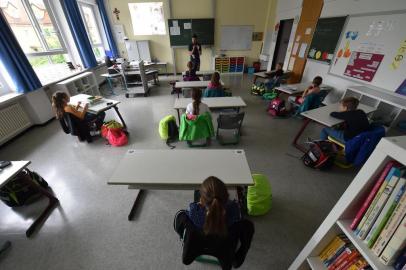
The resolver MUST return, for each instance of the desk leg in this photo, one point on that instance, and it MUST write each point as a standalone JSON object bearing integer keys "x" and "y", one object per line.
{"x": 121, "y": 118}
{"x": 295, "y": 143}
{"x": 53, "y": 201}
{"x": 134, "y": 207}
{"x": 178, "y": 116}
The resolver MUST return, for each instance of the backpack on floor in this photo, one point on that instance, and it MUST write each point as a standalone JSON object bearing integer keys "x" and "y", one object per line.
{"x": 321, "y": 155}
{"x": 258, "y": 89}
{"x": 17, "y": 192}
{"x": 259, "y": 196}
{"x": 168, "y": 130}
{"x": 114, "y": 133}
{"x": 277, "y": 107}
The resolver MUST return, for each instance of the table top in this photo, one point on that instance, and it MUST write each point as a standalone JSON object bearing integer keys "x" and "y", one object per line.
{"x": 10, "y": 171}
{"x": 202, "y": 72}
{"x": 322, "y": 114}
{"x": 181, "y": 169}
{"x": 112, "y": 75}
{"x": 261, "y": 74}
{"x": 93, "y": 108}
{"x": 192, "y": 84}
{"x": 213, "y": 102}
{"x": 297, "y": 88}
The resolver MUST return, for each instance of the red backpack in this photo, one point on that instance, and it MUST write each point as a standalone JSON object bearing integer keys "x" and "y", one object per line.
{"x": 321, "y": 155}
{"x": 277, "y": 107}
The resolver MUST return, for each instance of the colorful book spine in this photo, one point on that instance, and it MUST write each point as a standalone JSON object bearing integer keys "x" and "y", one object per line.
{"x": 394, "y": 220}
{"x": 347, "y": 262}
{"x": 401, "y": 260}
{"x": 395, "y": 245}
{"x": 374, "y": 202}
{"x": 372, "y": 194}
{"x": 343, "y": 256}
{"x": 359, "y": 264}
{"x": 322, "y": 255}
{"x": 335, "y": 254}
{"x": 332, "y": 247}
{"x": 386, "y": 212}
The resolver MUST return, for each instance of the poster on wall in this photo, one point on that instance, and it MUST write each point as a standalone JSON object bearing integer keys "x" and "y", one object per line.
{"x": 363, "y": 66}
{"x": 325, "y": 39}
{"x": 402, "y": 88}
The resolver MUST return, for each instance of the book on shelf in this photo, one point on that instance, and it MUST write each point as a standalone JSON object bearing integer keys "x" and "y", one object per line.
{"x": 393, "y": 222}
{"x": 386, "y": 212}
{"x": 359, "y": 264}
{"x": 348, "y": 261}
{"x": 372, "y": 194}
{"x": 401, "y": 260}
{"x": 335, "y": 254}
{"x": 332, "y": 246}
{"x": 395, "y": 245}
{"x": 343, "y": 256}
{"x": 377, "y": 203}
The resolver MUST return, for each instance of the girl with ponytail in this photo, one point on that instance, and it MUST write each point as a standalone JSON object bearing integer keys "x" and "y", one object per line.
{"x": 197, "y": 107}
{"x": 214, "y": 213}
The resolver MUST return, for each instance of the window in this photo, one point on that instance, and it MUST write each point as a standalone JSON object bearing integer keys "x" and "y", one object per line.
{"x": 147, "y": 18}
{"x": 93, "y": 30}
{"x": 36, "y": 30}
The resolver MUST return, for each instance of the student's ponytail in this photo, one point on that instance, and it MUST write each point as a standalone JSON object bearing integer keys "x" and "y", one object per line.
{"x": 197, "y": 99}
{"x": 58, "y": 103}
{"x": 214, "y": 197}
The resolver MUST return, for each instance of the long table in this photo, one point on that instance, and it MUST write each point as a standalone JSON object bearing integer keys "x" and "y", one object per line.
{"x": 212, "y": 103}
{"x": 297, "y": 88}
{"x": 322, "y": 116}
{"x": 9, "y": 172}
{"x": 96, "y": 108}
{"x": 159, "y": 170}
{"x": 194, "y": 84}
{"x": 202, "y": 72}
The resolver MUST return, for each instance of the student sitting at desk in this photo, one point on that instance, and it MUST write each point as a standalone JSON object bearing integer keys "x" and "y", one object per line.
{"x": 60, "y": 104}
{"x": 215, "y": 217}
{"x": 190, "y": 74}
{"x": 214, "y": 89}
{"x": 309, "y": 99}
{"x": 273, "y": 74}
{"x": 197, "y": 107}
{"x": 356, "y": 121}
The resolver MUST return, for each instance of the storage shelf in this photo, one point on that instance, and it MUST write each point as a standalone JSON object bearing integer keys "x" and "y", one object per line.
{"x": 315, "y": 263}
{"x": 371, "y": 258}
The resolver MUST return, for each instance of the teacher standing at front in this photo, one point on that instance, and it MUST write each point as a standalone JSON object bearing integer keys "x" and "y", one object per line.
{"x": 195, "y": 50}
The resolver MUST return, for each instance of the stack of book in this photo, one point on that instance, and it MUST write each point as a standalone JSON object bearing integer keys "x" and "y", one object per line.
{"x": 340, "y": 254}
{"x": 381, "y": 220}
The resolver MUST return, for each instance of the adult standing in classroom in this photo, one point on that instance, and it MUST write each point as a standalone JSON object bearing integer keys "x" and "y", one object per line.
{"x": 195, "y": 50}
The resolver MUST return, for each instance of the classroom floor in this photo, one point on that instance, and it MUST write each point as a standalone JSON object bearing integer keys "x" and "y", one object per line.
{"x": 90, "y": 229}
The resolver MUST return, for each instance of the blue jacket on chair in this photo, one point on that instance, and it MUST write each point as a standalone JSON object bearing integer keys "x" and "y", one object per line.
{"x": 359, "y": 148}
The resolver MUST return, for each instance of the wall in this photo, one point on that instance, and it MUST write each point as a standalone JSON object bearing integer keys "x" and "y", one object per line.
{"x": 288, "y": 9}
{"x": 227, "y": 12}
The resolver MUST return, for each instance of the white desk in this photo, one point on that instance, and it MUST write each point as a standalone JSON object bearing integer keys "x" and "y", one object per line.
{"x": 322, "y": 115}
{"x": 213, "y": 103}
{"x": 202, "y": 72}
{"x": 297, "y": 88}
{"x": 101, "y": 106}
{"x": 11, "y": 171}
{"x": 194, "y": 84}
{"x": 180, "y": 169}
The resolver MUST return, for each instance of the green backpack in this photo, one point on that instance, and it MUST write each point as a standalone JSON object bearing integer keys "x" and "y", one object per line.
{"x": 168, "y": 130}
{"x": 259, "y": 196}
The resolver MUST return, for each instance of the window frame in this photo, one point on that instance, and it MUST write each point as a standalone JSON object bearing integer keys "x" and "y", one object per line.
{"x": 37, "y": 28}
{"x": 98, "y": 26}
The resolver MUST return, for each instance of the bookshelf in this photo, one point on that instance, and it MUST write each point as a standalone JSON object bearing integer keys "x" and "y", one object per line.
{"x": 342, "y": 214}
{"x": 229, "y": 65}
{"x": 84, "y": 83}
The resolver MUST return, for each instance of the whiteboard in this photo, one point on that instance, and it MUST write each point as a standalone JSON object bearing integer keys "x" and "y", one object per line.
{"x": 138, "y": 50}
{"x": 372, "y": 50}
{"x": 237, "y": 37}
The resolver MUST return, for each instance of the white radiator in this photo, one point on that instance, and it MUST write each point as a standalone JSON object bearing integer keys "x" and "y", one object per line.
{"x": 13, "y": 120}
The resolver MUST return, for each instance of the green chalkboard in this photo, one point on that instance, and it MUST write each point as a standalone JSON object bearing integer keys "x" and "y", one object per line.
{"x": 325, "y": 39}
{"x": 203, "y": 28}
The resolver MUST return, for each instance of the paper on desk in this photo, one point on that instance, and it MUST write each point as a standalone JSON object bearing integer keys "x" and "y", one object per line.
{"x": 174, "y": 31}
{"x": 187, "y": 25}
{"x": 302, "y": 51}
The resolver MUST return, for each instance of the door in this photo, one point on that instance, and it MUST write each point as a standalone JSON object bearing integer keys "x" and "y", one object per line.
{"x": 282, "y": 41}
{"x": 311, "y": 10}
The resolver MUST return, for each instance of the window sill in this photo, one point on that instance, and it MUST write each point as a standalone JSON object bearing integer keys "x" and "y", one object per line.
{"x": 7, "y": 98}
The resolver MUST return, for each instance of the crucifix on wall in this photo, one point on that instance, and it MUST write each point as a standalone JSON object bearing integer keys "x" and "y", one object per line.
{"x": 116, "y": 11}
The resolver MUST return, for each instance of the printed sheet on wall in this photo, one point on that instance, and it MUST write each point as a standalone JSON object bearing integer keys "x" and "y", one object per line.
{"x": 372, "y": 49}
